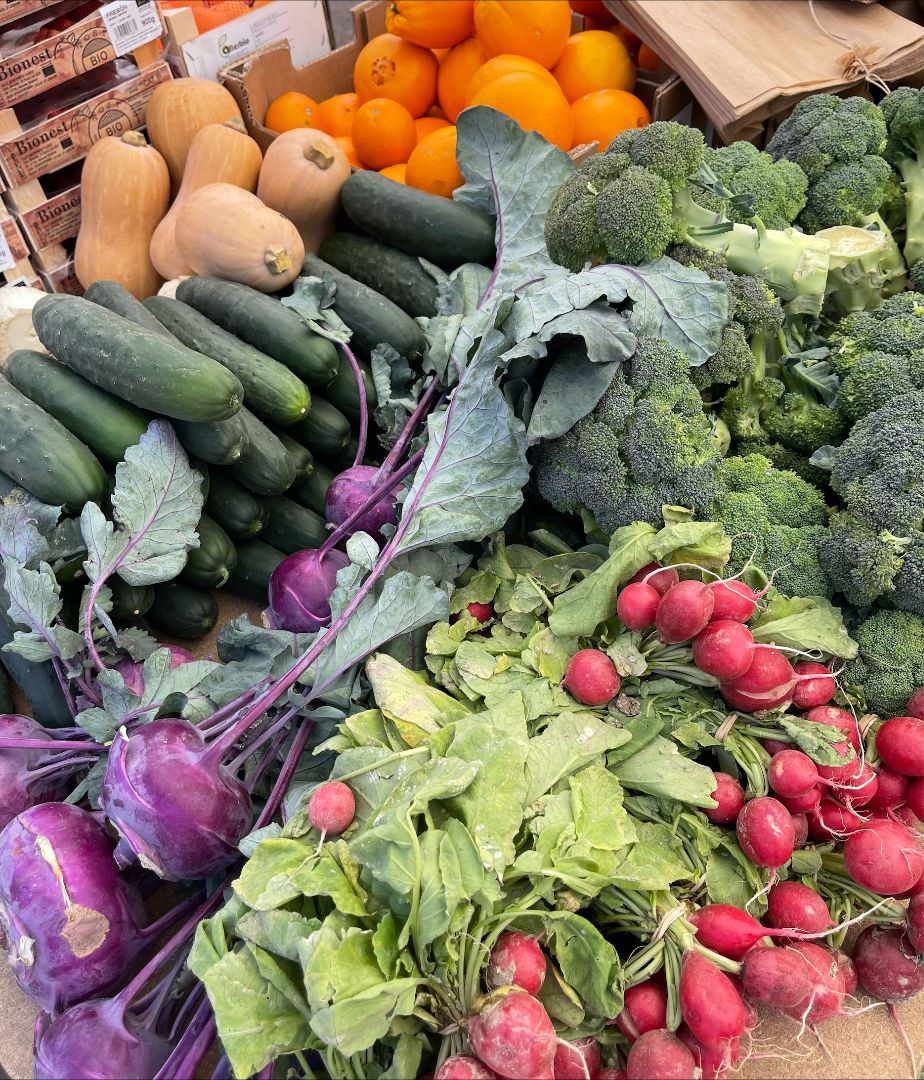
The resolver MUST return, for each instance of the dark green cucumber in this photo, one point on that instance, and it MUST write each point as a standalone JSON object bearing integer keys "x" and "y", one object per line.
{"x": 291, "y": 527}
{"x": 395, "y": 274}
{"x": 270, "y": 389}
{"x": 238, "y": 511}
{"x": 203, "y": 470}
{"x": 138, "y": 365}
{"x": 129, "y": 601}
{"x": 6, "y": 693}
{"x": 265, "y": 323}
{"x": 38, "y": 682}
{"x": 7, "y": 485}
{"x": 43, "y": 457}
{"x": 302, "y": 458}
{"x": 105, "y": 423}
{"x": 311, "y": 491}
{"x": 183, "y": 611}
{"x": 443, "y": 231}
{"x": 115, "y": 297}
{"x": 265, "y": 466}
{"x": 256, "y": 562}
{"x": 343, "y": 393}
{"x": 222, "y": 442}
{"x": 210, "y": 564}
{"x": 325, "y": 430}
{"x": 373, "y": 318}
{"x": 344, "y": 458}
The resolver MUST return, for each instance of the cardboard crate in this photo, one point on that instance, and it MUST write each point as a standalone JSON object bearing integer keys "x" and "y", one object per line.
{"x": 11, "y": 10}
{"x": 47, "y": 226}
{"x": 61, "y": 279}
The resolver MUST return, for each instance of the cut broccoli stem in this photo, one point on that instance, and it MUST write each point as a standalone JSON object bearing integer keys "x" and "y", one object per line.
{"x": 863, "y": 268}
{"x": 912, "y": 174}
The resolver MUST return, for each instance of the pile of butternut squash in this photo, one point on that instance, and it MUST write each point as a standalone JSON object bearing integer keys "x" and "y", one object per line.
{"x": 234, "y": 213}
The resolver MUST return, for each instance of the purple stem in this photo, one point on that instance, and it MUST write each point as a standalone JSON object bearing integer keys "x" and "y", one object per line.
{"x": 192, "y": 1047}
{"x": 424, "y": 406}
{"x": 285, "y": 774}
{"x": 268, "y": 758}
{"x": 363, "y": 404}
{"x": 52, "y": 744}
{"x": 89, "y": 691}
{"x": 169, "y": 918}
{"x": 65, "y": 686}
{"x": 63, "y": 767}
{"x": 187, "y": 1009}
{"x": 264, "y": 737}
{"x": 228, "y": 711}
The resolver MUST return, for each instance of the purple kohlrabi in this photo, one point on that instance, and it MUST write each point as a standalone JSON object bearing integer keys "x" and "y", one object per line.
{"x": 347, "y": 493}
{"x": 26, "y": 775}
{"x": 132, "y": 671}
{"x": 301, "y": 587}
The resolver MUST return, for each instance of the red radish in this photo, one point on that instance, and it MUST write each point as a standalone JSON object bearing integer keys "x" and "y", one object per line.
{"x": 848, "y": 970}
{"x": 331, "y": 808}
{"x": 733, "y": 600}
{"x": 725, "y": 649}
{"x": 637, "y": 605}
{"x": 915, "y": 706}
{"x": 644, "y": 1009}
{"x": 730, "y": 796}
{"x": 794, "y": 906}
{"x": 775, "y": 977}
{"x": 915, "y": 926}
{"x": 888, "y": 965}
{"x": 727, "y": 930}
{"x": 861, "y": 789}
{"x": 577, "y": 1060}
{"x": 905, "y": 815}
{"x": 834, "y": 717}
{"x": 661, "y": 582}
{"x": 516, "y": 960}
{"x": 792, "y": 773}
{"x": 915, "y": 797}
{"x": 712, "y": 1062}
{"x": 512, "y": 1034}
{"x": 826, "y": 994}
{"x": 816, "y": 685}
{"x": 765, "y": 832}
{"x": 591, "y": 677}
{"x": 611, "y": 1073}
{"x": 803, "y": 804}
{"x": 776, "y": 746}
{"x": 767, "y": 683}
{"x": 831, "y": 821}
{"x": 801, "y": 829}
{"x": 845, "y": 774}
{"x": 891, "y": 790}
{"x": 684, "y": 610}
{"x": 900, "y": 742}
{"x": 884, "y": 857}
{"x": 709, "y": 1003}
{"x": 481, "y": 612}
{"x": 660, "y": 1055}
{"x": 463, "y": 1067}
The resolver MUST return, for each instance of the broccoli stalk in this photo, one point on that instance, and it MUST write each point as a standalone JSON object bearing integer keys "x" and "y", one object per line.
{"x": 865, "y": 266}
{"x": 903, "y": 110}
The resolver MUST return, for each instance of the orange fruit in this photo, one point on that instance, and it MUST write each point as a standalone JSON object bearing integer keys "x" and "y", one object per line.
{"x": 536, "y": 104}
{"x": 335, "y": 114}
{"x": 456, "y": 68}
{"x": 435, "y": 24}
{"x": 383, "y": 133}
{"x": 534, "y": 28}
{"x": 600, "y": 116}
{"x": 436, "y": 113}
{"x": 631, "y": 40}
{"x": 426, "y": 125}
{"x": 502, "y": 65}
{"x": 396, "y": 172}
{"x": 346, "y": 145}
{"x": 594, "y": 60}
{"x": 432, "y": 166}
{"x": 648, "y": 59}
{"x": 595, "y": 8}
{"x": 291, "y": 110}
{"x": 392, "y": 68}
{"x": 439, "y": 54}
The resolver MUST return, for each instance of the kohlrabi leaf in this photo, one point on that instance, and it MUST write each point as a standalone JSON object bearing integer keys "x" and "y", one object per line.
{"x": 35, "y": 602}
{"x": 397, "y": 390}
{"x": 161, "y": 679}
{"x": 313, "y": 299}
{"x": 807, "y": 623}
{"x": 605, "y": 331}
{"x": 571, "y": 390}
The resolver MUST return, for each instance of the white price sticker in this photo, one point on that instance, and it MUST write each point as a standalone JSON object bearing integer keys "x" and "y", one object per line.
{"x": 7, "y": 262}
{"x": 131, "y": 23}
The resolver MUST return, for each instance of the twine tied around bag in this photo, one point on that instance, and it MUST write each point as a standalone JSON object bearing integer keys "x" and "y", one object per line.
{"x": 859, "y": 61}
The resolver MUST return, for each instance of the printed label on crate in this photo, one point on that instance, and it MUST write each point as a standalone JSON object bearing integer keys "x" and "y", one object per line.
{"x": 7, "y": 262}
{"x": 131, "y": 23}
{"x": 16, "y": 9}
{"x": 54, "y": 221}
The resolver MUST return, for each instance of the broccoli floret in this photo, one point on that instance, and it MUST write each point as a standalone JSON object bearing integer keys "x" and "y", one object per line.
{"x": 897, "y": 327}
{"x": 802, "y": 425}
{"x": 635, "y": 217}
{"x": 784, "y": 458}
{"x": 849, "y": 193}
{"x": 860, "y": 562}
{"x": 672, "y": 151}
{"x": 903, "y": 111}
{"x": 890, "y": 663}
{"x": 773, "y": 191}
{"x": 873, "y": 381}
{"x": 824, "y": 130}
{"x": 916, "y": 275}
{"x": 646, "y": 444}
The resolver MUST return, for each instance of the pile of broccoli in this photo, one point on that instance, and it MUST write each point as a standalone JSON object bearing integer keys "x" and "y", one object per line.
{"x": 890, "y": 664}
{"x": 903, "y": 111}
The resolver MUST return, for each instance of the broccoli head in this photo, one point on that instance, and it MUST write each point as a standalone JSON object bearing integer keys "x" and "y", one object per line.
{"x": 874, "y": 380}
{"x": 773, "y": 191}
{"x": 860, "y": 562}
{"x": 903, "y": 111}
{"x": 824, "y": 130}
{"x": 896, "y": 327}
{"x": 848, "y": 193}
{"x": 890, "y": 662}
{"x": 784, "y": 458}
{"x": 802, "y": 425}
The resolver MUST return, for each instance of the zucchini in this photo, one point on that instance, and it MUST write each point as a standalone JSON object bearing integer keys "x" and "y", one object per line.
{"x": 311, "y": 491}
{"x": 210, "y": 564}
{"x": 239, "y": 512}
{"x": 38, "y": 682}
{"x": 373, "y": 318}
{"x": 443, "y": 231}
{"x": 138, "y": 365}
{"x": 129, "y": 601}
{"x": 262, "y": 321}
{"x": 256, "y": 562}
{"x": 115, "y": 297}
{"x": 105, "y": 424}
{"x": 302, "y": 459}
{"x": 291, "y": 527}
{"x": 220, "y": 442}
{"x": 399, "y": 277}
{"x": 43, "y": 457}
{"x": 342, "y": 391}
{"x": 270, "y": 389}
{"x": 265, "y": 466}
{"x": 183, "y": 611}
{"x": 325, "y": 430}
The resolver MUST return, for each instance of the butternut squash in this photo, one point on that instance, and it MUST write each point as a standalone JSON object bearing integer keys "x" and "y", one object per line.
{"x": 224, "y": 231}
{"x": 219, "y": 154}
{"x": 301, "y": 177}
{"x": 178, "y": 110}
{"x": 125, "y": 191}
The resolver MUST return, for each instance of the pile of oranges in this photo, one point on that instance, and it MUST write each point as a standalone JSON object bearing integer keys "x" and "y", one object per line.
{"x": 440, "y": 56}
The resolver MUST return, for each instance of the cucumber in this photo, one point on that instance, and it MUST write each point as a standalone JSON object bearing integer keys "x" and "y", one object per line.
{"x": 6, "y": 692}
{"x": 138, "y": 365}
{"x": 38, "y": 682}
{"x": 373, "y": 318}
{"x": 270, "y": 389}
{"x": 203, "y": 470}
{"x": 343, "y": 459}
{"x": 129, "y": 601}
{"x": 7, "y": 485}
{"x": 239, "y": 512}
{"x": 222, "y": 442}
{"x": 311, "y": 491}
{"x": 263, "y": 322}
{"x": 210, "y": 564}
{"x": 325, "y": 430}
{"x": 183, "y": 611}
{"x": 443, "y": 231}
{"x": 265, "y": 466}
{"x": 256, "y": 562}
{"x": 105, "y": 424}
{"x": 302, "y": 459}
{"x": 343, "y": 393}
{"x": 115, "y": 297}
{"x": 43, "y": 457}
{"x": 291, "y": 527}
{"x": 396, "y": 275}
